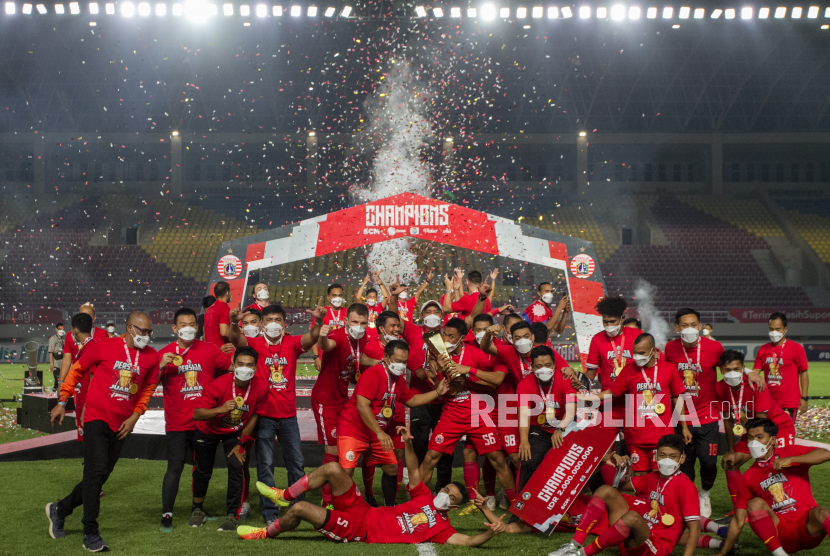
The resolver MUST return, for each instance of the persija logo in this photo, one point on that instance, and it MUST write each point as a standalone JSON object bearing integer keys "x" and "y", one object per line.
{"x": 406, "y": 215}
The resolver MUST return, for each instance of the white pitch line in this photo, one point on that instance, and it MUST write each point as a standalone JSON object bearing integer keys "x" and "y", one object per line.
{"x": 427, "y": 549}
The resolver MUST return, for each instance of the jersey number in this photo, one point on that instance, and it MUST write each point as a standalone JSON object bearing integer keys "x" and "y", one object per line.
{"x": 510, "y": 440}
{"x": 342, "y": 522}
{"x": 489, "y": 439}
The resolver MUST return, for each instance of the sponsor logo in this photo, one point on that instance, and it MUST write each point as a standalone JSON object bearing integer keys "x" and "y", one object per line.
{"x": 439, "y": 439}
{"x": 520, "y": 505}
{"x": 582, "y": 266}
{"x": 525, "y": 496}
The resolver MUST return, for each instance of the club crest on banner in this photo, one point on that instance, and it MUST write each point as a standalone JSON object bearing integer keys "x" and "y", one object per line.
{"x": 582, "y": 266}
{"x": 229, "y": 267}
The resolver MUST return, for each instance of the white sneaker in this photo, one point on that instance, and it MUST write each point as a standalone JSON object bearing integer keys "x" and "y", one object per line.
{"x": 568, "y": 549}
{"x": 245, "y": 511}
{"x": 491, "y": 503}
{"x": 501, "y": 498}
{"x": 705, "y": 504}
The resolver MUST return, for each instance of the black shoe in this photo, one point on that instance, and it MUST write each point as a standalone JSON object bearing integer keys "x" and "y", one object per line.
{"x": 229, "y": 524}
{"x": 166, "y": 524}
{"x": 94, "y": 543}
{"x": 55, "y": 522}
{"x": 371, "y": 501}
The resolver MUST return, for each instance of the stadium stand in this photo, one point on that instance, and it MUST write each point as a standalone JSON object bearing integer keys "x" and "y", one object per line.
{"x": 812, "y": 219}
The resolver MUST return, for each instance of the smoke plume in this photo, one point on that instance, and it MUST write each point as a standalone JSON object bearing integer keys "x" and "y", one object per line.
{"x": 653, "y": 323}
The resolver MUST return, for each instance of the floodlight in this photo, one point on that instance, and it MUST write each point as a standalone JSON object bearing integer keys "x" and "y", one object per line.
{"x": 420, "y": 11}
{"x": 312, "y": 11}
{"x": 763, "y": 13}
{"x": 296, "y": 11}
{"x": 41, "y": 9}
{"x": 455, "y": 12}
{"x": 684, "y": 12}
{"x": 584, "y": 12}
{"x": 729, "y": 13}
{"x": 796, "y": 13}
{"x": 438, "y": 12}
{"x": 177, "y": 9}
{"x": 716, "y": 14}
{"x": 311, "y": 133}
{"x": 9, "y": 8}
{"x": 827, "y": 12}
{"x": 553, "y": 12}
{"x": 617, "y": 12}
{"x": 244, "y": 10}
{"x": 583, "y": 133}
{"x": 488, "y": 11}
{"x": 668, "y": 12}
{"x": 812, "y": 13}
{"x": 227, "y": 9}
{"x": 675, "y": 26}
{"x": 537, "y": 12}
{"x": 780, "y": 12}
{"x": 109, "y": 8}
{"x": 521, "y": 13}
{"x": 127, "y": 9}
{"x": 261, "y": 10}
{"x": 93, "y": 8}
{"x": 276, "y": 11}
{"x": 143, "y": 9}
{"x": 602, "y": 13}
{"x": 699, "y": 13}
{"x": 347, "y": 11}
{"x": 27, "y": 9}
{"x": 651, "y": 13}
{"x": 161, "y": 10}
{"x": 566, "y": 12}
{"x": 197, "y": 10}
{"x": 634, "y": 12}
{"x": 825, "y": 27}
{"x": 175, "y": 134}
{"x": 329, "y": 12}
{"x": 59, "y": 9}
{"x": 472, "y": 12}
{"x": 504, "y": 12}
{"x": 746, "y": 13}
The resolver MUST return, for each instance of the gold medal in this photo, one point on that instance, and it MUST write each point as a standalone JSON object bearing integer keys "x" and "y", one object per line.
{"x": 357, "y": 376}
{"x": 540, "y": 419}
{"x": 659, "y": 409}
{"x": 276, "y": 373}
{"x": 387, "y": 412}
{"x": 738, "y": 430}
{"x": 668, "y": 520}
{"x": 177, "y": 360}
{"x": 239, "y": 400}
{"x": 133, "y": 388}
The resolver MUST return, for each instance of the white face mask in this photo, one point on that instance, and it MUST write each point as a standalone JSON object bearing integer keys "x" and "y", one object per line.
{"x": 371, "y": 302}
{"x": 141, "y": 342}
{"x": 111, "y": 329}
{"x": 668, "y": 466}
{"x": 356, "y": 332}
{"x": 544, "y": 373}
{"x": 432, "y": 321}
{"x": 547, "y": 297}
{"x": 397, "y": 369}
{"x": 337, "y": 301}
{"x": 273, "y": 329}
{"x": 441, "y": 501}
{"x": 775, "y": 336}
{"x": 733, "y": 378}
{"x": 523, "y": 345}
{"x": 262, "y": 295}
{"x": 251, "y": 331}
{"x": 705, "y": 332}
{"x": 641, "y": 360}
{"x": 403, "y": 295}
{"x": 244, "y": 373}
{"x": 756, "y": 449}
{"x": 690, "y": 335}
{"x": 452, "y": 347}
{"x": 480, "y": 335}
{"x": 613, "y": 330}
{"x": 187, "y": 333}
{"x": 61, "y": 333}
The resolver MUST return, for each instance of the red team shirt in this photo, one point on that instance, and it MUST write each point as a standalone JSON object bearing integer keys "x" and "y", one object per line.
{"x": 223, "y": 389}
{"x": 111, "y": 397}
{"x": 556, "y": 395}
{"x": 698, "y": 375}
{"x": 372, "y": 329}
{"x": 752, "y": 403}
{"x": 447, "y": 316}
{"x": 648, "y": 427}
{"x": 458, "y": 408}
{"x": 184, "y": 385}
{"x": 277, "y": 366}
{"x": 216, "y": 314}
{"x": 406, "y": 309}
{"x": 676, "y": 496}
{"x": 336, "y": 318}
{"x": 384, "y": 390}
{"x": 70, "y": 347}
{"x": 538, "y": 311}
{"x": 414, "y": 336}
{"x": 609, "y": 356}
{"x": 792, "y": 493}
{"x": 337, "y": 368}
{"x": 783, "y": 380}
{"x": 464, "y": 306}
{"x": 375, "y": 351}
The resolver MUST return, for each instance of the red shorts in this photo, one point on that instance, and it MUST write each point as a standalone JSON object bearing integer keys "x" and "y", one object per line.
{"x": 346, "y": 522}
{"x": 349, "y": 450}
{"x": 392, "y": 430}
{"x": 326, "y": 417}
{"x": 447, "y": 434}
{"x": 792, "y": 532}
{"x": 652, "y": 547}
{"x": 509, "y": 438}
{"x": 642, "y": 459}
{"x": 786, "y": 437}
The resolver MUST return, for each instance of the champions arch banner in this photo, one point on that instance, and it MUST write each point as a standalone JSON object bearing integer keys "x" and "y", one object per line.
{"x": 409, "y": 215}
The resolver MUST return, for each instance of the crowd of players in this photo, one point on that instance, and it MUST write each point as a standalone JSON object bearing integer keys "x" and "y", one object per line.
{"x": 642, "y": 499}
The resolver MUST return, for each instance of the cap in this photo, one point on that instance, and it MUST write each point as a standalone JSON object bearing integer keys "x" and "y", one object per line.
{"x": 431, "y": 302}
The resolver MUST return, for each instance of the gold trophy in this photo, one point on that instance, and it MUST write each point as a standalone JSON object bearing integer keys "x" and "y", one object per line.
{"x": 655, "y": 509}
{"x": 418, "y": 519}
{"x": 190, "y": 379}
{"x": 124, "y": 378}
{"x": 647, "y": 397}
{"x": 773, "y": 369}
{"x": 777, "y": 491}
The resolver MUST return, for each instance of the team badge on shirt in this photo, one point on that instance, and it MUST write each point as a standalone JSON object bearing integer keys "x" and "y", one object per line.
{"x": 192, "y": 388}
{"x": 276, "y": 376}
{"x": 124, "y": 386}
{"x": 409, "y": 522}
{"x": 775, "y": 486}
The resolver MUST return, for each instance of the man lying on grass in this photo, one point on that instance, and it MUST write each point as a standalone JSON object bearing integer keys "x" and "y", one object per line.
{"x": 422, "y": 519}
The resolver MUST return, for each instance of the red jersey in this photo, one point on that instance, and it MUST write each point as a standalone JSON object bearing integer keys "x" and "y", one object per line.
{"x": 447, "y": 316}
{"x": 374, "y": 350}
{"x": 610, "y": 355}
{"x": 782, "y": 365}
{"x": 751, "y": 402}
{"x": 697, "y": 368}
{"x": 277, "y": 366}
{"x": 415, "y": 521}
{"x": 372, "y": 329}
{"x": 336, "y": 318}
{"x": 464, "y": 306}
{"x": 676, "y": 496}
{"x": 70, "y": 347}
{"x": 644, "y": 427}
{"x": 538, "y": 311}
{"x": 184, "y": 384}
{"x": 406, "y": 309}
{"x": 121, "y": 374}
{"x": 255, "y": 398}
{"x": 384, "y": 390}
{"x": 556, "y": 395}
{"x": 458, "y": 407}
{"x": 255, "y": 307}
{"x": 787, "y": 490}
{"x": 337, "y": 367}
{"x": 418, "y": 351}
{"x": 216, "y": 314}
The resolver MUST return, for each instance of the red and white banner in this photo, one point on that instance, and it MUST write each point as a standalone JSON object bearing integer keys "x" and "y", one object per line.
{"x": 563, "y": 474}
{"x": 794, "y": 315}
{"x": 30, "y": 316}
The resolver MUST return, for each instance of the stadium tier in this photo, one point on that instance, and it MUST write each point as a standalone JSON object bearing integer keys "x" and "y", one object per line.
{"x": 812, "y": 219}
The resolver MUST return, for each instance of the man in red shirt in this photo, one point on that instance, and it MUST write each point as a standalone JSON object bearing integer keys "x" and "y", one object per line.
{"x": 539, "y": 310}
{"x": 784, "y": 364}
{"x": 217, "y": 316}
{"x": 370, "y": 298}
{"x": 334, "y": 318}
{"x": 406, "y": 304}
{"x": 261, "y": 296}
{"x": 126, "y": 375}
{"x": 671, "y": 506}
{"x": 464, "y": 306}
{"x": 226, "y": 416}
{"x": 776, "y": 496}
{"x": 188, "y": 367}
{"x": 737, "y": 403}
{"x": 422, "y": 519}
{"x": 341, "y": 349}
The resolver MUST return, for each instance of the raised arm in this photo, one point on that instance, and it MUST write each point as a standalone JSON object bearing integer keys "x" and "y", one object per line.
{"x": 323, "y": 341}
{"x": 422, "y": 288}
{"x": 236, "y": 337}
{"x": 358, "y": 295}
{"x": 312, "y": 337}
{"x": 487, "y": 345}
{"x": 410, "y": 458}
{"x": 560, "y": 316}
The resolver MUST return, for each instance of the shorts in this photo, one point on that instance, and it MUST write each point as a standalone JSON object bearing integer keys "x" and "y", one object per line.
{"x": 326, "y": 417}
{"x": 704, "y": 444}
{"x": 346, "y": 522}
{"x": 392, "y": 430}
{"x": 509, "y": 438}
{"x": 792, "y": 532}
{"x": 642, "y": 459}
{"x": 349, "y": 450}
{"x": 447, "y": 434}
{"x": 180, "y": 445}
{"x": 652, "y": 547}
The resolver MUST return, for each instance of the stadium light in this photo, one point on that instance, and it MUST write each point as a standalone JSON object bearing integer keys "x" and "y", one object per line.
{"x": 127, "y": 9}
{"x": 488, "y": 12}
{"x": 197, "y": 10}
{"x": 763, "y": 13}
{"x": 59, "y": 9}
{"x": 312, "y": 11}
{"x": 93, "y": 8}
{"x": 583, "y": 133}
{"x": 244, "y": 10}
{"x": 276, "y": 11}
{"x": 330, "y": 12}
{"x": 825, "y": 27}
{"x": 584, "y": 12}
{"x": 175, "y": 134}
{"x": 312, "y": 133}
{"x": 177, "y": 9}
{"x": 296, "y": 11}
{"x": 27, "y": 9}
{"x": 143, "y": 9}
{"x": 74, "y": 8}
{"x": 553, "y": 12}
{"x": 455, "y": 12}
{"x": 537, "y": 12}
{"x": 161, "y": 10}
{"x": 602, "y": 13}
{"x": 651, "y": 13}
{"x": 668, "y": 12}
{"x": 227, "y": 9}
{"x": 261, "y": 10}
{"x": 699, "y": 13}
{"x": 41, "y": 9}
{"x": 566, "y": 12}
{"x": 10, "y": 8}
{"x": 827, "y": 12}
{"x": 109, "y": 8}
{"x": 684, "y": 12}
{"x": 746, "y": 13}
{"x": 504, "y": 13}
{"x": 812, "y": 13}
{"x": 796, "y": 13}
{"x": 716, "y": 14}
{"x": 472, "y": 12}
{"x": 729, "y": 13}
{"x": 438, "y": 12}
{"x": 634, "y": 12}
{"x": 347, "y": 11}
{"x": 780, "y": 12}
{"x": 617, "y": 12}
{"x": 521, "y": 13}
{"x": 420, "y": 11}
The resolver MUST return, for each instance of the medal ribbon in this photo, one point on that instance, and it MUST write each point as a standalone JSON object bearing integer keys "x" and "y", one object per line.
{"x": 689, "y": 360}
{"x": 390, "y": 386}
{"x": 331, "y": 312}
{"x": 779, "y": 358}
{"x": 80, "y": 347}
{"x": 185, "y": 351}
{"x": 618, "y": 356}
{"x": 661, "y": 490}
{"x": 736, "y": 411}
{"x": 233, "y": 392}
{"x": 129, "y": 359}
